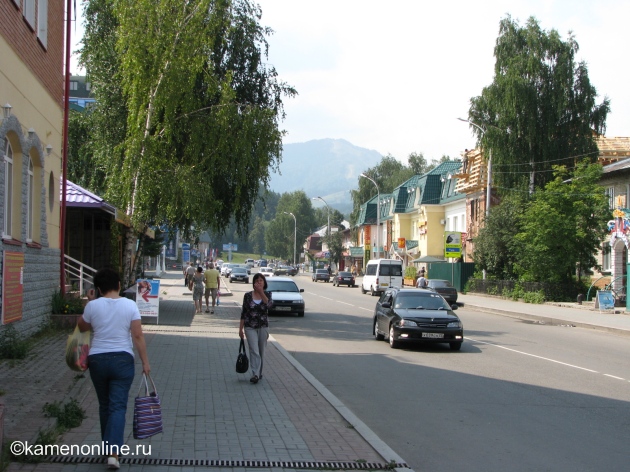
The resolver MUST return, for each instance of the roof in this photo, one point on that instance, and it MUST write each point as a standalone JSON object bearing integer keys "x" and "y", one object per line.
{"x": 78, "y": 197}
{"x": 612, "y": 148}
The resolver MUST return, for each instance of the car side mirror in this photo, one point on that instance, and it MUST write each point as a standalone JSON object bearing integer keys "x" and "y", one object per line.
{"x": 301, "y": 290}
{"x": 386, "y": 305}
{"x": 454, "y": 307}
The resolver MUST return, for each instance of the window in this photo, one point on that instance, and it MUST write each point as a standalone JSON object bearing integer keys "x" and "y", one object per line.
{"x": 30, "y": 198}
{"x": 8, "y": 190}
{"x": 29, "y": 12}
{"x": 74, "y": 85}
{"x": 454, "y": 223}
{"x": 611, "y": 197}
{"x": 606, "y": 257}
{"x": 42, "y": 22}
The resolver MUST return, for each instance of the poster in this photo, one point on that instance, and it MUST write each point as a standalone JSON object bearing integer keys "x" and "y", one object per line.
{"x": 148, "y": 297}
{"x": 452, "y": 244}
{"x": 12, "y": 286}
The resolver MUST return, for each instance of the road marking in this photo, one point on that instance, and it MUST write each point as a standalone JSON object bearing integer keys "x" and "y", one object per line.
{"x": 534, "y": 355}
{"x": 615, "y": 377}
{"x": 344, "y": 303}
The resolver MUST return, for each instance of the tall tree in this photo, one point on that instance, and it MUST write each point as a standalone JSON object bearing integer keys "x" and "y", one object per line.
{"x": 540, "y": 109}
{"x": 562, "y": 228}
{"x": 281, "y": 231}
{"x": 202, "y": 109}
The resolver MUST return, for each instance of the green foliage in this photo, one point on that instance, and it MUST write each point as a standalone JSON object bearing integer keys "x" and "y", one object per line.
{"x": 411, "y": 272}
{"x": 69, "y": 415}
{"x": 12, "y": 345}
{"x": 563, "y": 226}
{"x": 65, "y": 304}
{"x": 539, "y": 110}
{"x": 534, "y": 297}
{"x": 280, "y": 233}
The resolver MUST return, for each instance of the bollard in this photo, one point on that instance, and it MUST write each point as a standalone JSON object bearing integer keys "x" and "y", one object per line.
{"x": 580, "y": 297}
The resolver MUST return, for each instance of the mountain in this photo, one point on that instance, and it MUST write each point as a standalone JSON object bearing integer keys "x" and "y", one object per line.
{"x": 327, "y": 168}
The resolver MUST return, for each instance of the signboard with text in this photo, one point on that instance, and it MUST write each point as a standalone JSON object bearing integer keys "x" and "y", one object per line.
{"x": 452, "y": 244}
{"x": 148, "y": 297}
{"x": 12, "y": 286}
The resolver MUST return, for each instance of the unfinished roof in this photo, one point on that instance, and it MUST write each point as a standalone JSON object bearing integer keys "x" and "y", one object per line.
{"x": 612, "y": 149}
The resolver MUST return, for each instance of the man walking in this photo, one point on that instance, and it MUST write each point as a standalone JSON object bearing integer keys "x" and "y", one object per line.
{"x": 212, "y": 279}
{"x": 190, "y": 271}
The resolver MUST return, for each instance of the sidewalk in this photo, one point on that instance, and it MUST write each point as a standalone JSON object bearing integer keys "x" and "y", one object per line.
{"x": 213, "y": 417}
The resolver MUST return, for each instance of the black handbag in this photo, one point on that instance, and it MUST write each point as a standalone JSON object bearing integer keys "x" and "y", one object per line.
{"x": 242, "y": 362}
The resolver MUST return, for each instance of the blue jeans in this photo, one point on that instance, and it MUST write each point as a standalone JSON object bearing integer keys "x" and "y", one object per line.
{"x": 112, "y": 374}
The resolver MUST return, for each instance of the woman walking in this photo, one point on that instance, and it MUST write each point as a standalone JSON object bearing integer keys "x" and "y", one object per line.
{"x": 115, "y": 321}
{"x": 255, "y": 324}
{"x": 198, "y": 289}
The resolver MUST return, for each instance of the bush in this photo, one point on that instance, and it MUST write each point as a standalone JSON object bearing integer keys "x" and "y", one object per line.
{"x": 411, "y": 272}
{"x": 66, "y": 304}
{"x": 534, "y": 297}
{"x": 12, "y": 346}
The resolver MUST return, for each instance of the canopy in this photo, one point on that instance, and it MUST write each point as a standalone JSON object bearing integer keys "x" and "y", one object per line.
{"x": 429, "y": 259}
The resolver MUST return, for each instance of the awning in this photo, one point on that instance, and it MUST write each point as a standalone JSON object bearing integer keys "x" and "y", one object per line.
{"x": 429, "y": 259}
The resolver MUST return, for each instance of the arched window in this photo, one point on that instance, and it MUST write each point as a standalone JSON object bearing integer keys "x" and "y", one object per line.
{"x": 8, "y": 190}
{"x": 30, "y": 198}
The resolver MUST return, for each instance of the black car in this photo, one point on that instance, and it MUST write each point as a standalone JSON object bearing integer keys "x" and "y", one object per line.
{"x": 416, "y": 315}
{"x": 321, "y": 274}
{"x": 343, "y": 278}
{"x": 444, "y": 288}
{"x": 292, "y": 271}
{"x": 240, "y": 274}
{"x": 286, "y": 296}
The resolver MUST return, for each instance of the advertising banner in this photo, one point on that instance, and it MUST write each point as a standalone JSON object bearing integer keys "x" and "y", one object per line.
{"x": 452, "y": 244}
{"x": 148, "y": 297}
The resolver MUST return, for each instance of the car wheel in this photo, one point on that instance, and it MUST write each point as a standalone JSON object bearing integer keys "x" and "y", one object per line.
{"x": 363, "y": 291}
{"x": 392, "y": 342}
{"x": 300, "y": 313}
{"x": 372, "y": 292}
{"x": 455, "y": 346}
{"x": 377, "y": 335}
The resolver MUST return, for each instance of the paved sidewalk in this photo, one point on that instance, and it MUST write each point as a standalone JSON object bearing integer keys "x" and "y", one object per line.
{"x": 213, "y": 417}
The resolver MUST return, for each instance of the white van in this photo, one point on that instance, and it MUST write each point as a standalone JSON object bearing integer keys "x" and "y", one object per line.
{"x": 381, "y": 274}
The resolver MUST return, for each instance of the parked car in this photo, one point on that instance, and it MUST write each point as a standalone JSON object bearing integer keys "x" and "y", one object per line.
{"x": 343, "y": 278}
{"x": 321, "y": 274}
{"x": 444, "y": 288}
{"x": 404, "y": 315}
{"x": 286, "y": 296}
{"x": 239, "y": 274}
{"x": 381, "y": 274}
{"x": 266, "y": 271}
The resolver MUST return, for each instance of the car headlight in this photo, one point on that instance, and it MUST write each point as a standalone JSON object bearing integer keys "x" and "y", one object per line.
{"x": 407, "y": 323}
{"x": 454, "y": 324}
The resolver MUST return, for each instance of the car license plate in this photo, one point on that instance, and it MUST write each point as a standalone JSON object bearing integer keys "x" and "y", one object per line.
{"x": 384, "y": 284}
{"x": 432, "y": 335}
{"x": 283, "y": 308}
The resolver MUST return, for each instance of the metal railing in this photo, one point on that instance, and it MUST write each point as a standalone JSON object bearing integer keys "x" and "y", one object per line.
{"x": 79, "y": 273}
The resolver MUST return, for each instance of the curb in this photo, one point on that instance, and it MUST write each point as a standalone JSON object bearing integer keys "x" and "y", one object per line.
{"x": 549, "y": 320}
{"x": 372, "y": 439}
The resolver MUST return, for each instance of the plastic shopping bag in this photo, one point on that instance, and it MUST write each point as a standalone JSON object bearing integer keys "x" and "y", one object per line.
{"x": 77, "y": 350}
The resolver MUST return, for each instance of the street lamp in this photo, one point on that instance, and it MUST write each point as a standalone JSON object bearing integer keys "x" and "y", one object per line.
{"x": 328, "y": 230}
{"x": 294, "y": 234}
{"x": 489, "y": 188}
{"x": 378, "y": 211}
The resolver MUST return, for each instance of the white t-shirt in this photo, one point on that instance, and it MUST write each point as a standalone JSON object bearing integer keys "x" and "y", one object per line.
{"x": 111, "y": 322}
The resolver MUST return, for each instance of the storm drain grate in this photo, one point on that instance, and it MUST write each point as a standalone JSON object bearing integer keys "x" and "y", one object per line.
{"x": 231, "y": 463}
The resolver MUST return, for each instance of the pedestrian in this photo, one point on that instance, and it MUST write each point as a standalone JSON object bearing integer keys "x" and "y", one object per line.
{"x": 255, "y": 324}
{"x": 422, "y": 281}
{"x": 212, "y": 279}
{"x": 190, "y": 271}
{"x": 329, "y": 270}
{"x": 197, "y": 289}
{"x": 117, "y": 326}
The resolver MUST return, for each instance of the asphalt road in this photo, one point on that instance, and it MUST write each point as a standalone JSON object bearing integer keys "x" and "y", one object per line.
{"x": 519, "y": 396}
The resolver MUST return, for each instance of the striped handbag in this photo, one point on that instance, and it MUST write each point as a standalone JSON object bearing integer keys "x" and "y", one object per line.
{"x": 147, "y": 412}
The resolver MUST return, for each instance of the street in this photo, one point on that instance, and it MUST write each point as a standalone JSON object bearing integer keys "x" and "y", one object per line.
{"x": 519, "y": 395}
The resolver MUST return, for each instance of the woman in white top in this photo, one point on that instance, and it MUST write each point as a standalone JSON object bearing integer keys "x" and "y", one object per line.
{"x": 117, "y": 326}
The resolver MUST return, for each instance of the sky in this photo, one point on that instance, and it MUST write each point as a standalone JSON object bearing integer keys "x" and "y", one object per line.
{"x": 394, "y": 76}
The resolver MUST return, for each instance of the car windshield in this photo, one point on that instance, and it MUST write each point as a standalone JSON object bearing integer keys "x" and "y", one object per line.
{"x": 239, "y": 270}
{"x": 345, "y": 274}
{"x": 421, "y": 301}
{"x": 322, "y": 271}
{"x": 281, "y": 286}
{"x": 440, "y": 284}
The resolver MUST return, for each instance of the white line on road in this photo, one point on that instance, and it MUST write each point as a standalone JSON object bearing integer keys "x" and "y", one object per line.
{"x": 615, "y": 377}
{"x": 534, "y": 355}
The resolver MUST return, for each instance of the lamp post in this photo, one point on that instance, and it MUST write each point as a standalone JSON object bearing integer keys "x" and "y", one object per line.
{"x": 378, "y": 211}
{"x": 489, "y": 187}
{"x": 294, "y": 234}
{"x": 328, "y": 229}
